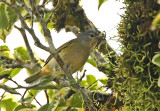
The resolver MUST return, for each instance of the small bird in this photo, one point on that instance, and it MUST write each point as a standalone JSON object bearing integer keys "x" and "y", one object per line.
{"x": 73, "y": 53}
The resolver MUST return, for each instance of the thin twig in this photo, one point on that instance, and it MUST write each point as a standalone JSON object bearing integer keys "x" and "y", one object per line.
{"x": 84, "y": 73}
{"x": 91, "y": 84}
{"x": 24, "y": 95}
{"x": 2, "y": 95}
{"x": 13, "y": 81}
{"x": 29, "y": 50}
{"x": 20, "y": 65}
{"x": 34, "y": 98}
{"x": 45, "y": 91}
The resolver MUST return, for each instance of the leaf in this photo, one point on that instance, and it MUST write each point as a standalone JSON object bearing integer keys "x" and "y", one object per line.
{"x": 44, "y": 107}
{"x": 156, "y": 60}
{"x": 4, "y": 51}
{"x": 50, "y": 93}
{"x": 7, "y": 19}
{"x": 100, "y": 3}
{"x": 27, "y": 109}
{"x": 13, "y": 73}
{"x": 91, "y": 61}
{"x": 8, "y": 89}
{"x": 42, "y": 83}
{"x": 43, "y": 86}
{"x": 75, "y": 101}
{"x": 5, "y": 71}
{"x": 27, "y": 100}
{"x": 159, "y": 81}
{"x": 91, "y": 79}
{"x": 103, "y": 80}
{"x": 33, "y": 92}
{"x": 9, "y": 102}
{"x": 22, "y": 107}
{"x": 4, "y": 48}
{"x": 49, "y": 107}
{"x": 84, "y": 83}
{"x": 156, "y": 22}
{"x": 21, "y": 53}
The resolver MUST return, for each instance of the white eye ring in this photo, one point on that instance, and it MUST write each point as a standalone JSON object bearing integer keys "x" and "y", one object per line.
{"x": 92, "y": 35}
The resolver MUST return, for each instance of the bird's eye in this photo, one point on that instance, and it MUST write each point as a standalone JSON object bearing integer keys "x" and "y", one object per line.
{"x": 92, "y": 35}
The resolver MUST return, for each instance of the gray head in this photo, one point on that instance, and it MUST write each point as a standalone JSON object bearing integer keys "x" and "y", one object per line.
{"x": 89, "y": 34}
{"x": 89, "y": 38}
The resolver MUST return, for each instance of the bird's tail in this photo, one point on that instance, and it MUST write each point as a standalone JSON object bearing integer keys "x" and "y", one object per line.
{"x": 33, "y": 78}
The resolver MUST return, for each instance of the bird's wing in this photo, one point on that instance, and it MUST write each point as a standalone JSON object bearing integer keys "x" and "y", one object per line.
{"x": 59, "y": 49}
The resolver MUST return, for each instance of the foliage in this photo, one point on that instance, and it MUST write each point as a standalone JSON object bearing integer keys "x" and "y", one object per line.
{"x": 133, "y": 76}
{"x": 136, "y": 79}
{"x": 66, "y": 13}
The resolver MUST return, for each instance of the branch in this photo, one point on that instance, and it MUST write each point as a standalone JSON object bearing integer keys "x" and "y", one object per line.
{"x": 20, "y": 65}
{"x": 30, "y": 52}
{"x": 15, "y": 63}
{"x": 23, "y": 23}
{"x": 83, "y": 75}
{"x": 47, "y": 96}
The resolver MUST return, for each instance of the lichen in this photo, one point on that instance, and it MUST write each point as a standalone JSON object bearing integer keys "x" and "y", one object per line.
{"x": 135, "y": 81}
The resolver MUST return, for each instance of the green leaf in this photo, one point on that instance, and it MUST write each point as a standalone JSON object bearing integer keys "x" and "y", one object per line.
{"x": 7, "y": 19}
{"x": 103, "y": 80}
{"x": 43, "y": 83}
{"x": 13, "y": 73}
{"x": 64, "y": 109}
{"x": 50, "y": 24}
{"x": 156, "y": 22}
{"x": 84, "y": 83}
{"x": 159, "y": 81}
{"x": 9, "y": 102}
{"x": 43, "y": 86}
{"x": 91, "y": 61}
{"x": 44, "y": 107}
{"x": 50, "y": 107}
{"x": 50, "y": 93}
{"x": 5, "y": 71}
{"x": 156, "y": 60}
{"x": 21, "y": 53}
{"x": 75, "y": 101}
{"x": 4, "y": 48}
{"x": 8, "y": 89}
{"x": 27, "y": 100}
{"x": 100, "y": 3}
{"x": 4, "y": 51}
{"x": 91, "y": 79}
{"x": 33, "y": 92}
{"x": 22, "y": 107}
{"x": 27, "y": 109}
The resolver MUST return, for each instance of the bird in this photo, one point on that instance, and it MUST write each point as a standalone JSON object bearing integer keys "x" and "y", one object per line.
{"x": 73, "y": 53}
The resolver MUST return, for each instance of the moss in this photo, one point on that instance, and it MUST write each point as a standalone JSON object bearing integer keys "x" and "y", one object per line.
{"x": 69, "y": 13}
{"x": 139, "y": 89}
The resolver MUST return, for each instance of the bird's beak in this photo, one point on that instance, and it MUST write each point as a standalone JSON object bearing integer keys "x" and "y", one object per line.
{"x": 101, "y": 39}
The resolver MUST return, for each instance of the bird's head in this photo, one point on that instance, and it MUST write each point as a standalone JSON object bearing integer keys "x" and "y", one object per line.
{"x": 91, "y": 39}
